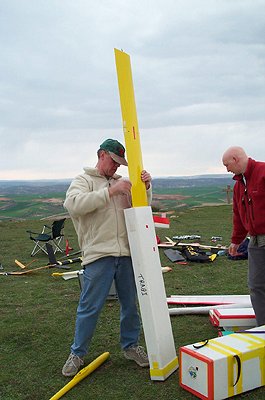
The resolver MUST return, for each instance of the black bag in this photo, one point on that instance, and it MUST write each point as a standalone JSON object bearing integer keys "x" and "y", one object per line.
{"x": 196, "y": 255}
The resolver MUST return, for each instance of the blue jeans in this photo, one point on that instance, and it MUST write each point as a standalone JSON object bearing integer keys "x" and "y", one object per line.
{"x": 98, "y": 277}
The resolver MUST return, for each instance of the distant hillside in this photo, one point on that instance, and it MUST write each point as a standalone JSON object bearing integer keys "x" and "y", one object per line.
{"x": 193, "y": 181}
{"x": 60, "y": 185}
{"x": 33, "y": 187}
{"x": 38, "y": 199}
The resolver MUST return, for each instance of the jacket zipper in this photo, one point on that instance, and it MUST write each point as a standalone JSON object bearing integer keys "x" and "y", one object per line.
{"x": 115, "y": 208}
{"x": 248, "y": 206}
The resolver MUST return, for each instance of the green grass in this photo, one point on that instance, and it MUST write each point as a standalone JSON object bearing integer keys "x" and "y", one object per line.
{"x": 38, "y": 317}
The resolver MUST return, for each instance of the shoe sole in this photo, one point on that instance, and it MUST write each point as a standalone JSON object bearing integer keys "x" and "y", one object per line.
{"x": 143, "y": 365}
{"x": 72, "y": 374}
{"x": 69, "y": 375}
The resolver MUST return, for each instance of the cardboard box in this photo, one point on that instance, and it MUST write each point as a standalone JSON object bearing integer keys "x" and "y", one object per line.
{"x": 225, "y": 366}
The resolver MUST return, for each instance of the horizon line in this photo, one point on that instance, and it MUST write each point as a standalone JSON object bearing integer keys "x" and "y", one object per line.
{"x": 155, "y": 177}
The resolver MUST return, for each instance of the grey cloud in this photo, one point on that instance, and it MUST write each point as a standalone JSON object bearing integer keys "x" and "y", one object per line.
{"x": 198, "y": 68}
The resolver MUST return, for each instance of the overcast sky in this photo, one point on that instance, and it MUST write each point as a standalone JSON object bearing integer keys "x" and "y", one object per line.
{"x": 199, "y": 79}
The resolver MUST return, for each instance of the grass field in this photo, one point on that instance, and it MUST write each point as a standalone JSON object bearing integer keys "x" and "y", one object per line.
{"x": 38, "y": 317}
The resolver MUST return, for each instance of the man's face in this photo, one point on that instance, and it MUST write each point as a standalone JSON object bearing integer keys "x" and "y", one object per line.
{"x": 232, "y": 165}
{"x": 109, "y": 166}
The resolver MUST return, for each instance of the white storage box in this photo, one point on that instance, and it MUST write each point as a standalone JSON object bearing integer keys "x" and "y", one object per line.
{"x": 233, "y": 319}
{"x": 225, "y": 366}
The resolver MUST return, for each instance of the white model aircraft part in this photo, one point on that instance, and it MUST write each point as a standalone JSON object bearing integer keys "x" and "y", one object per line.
{"x": 67, "y": 275}
{"x": 209, "y": 299}
{"x": 204, "y": 309}
{"x": 168, "y": 243}
{"x": 166, "y": 269}
{"x": 142, "y": 238}
{"x": 202, "y": 246}
{"x": 151, "y": 292}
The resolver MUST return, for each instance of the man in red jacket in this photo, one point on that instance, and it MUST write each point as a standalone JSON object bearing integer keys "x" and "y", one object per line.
{"x": 249, "y": 219}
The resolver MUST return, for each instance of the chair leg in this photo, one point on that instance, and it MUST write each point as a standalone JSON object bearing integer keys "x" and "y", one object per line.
{"x": 57, "y": 247}
{"x": 37, "y": 248}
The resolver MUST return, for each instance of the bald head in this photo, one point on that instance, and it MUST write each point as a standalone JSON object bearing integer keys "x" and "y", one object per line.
{"x": 235, "y": 160}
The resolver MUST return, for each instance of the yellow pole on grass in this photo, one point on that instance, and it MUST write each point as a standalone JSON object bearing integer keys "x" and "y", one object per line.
{"x": 81, "y": 375}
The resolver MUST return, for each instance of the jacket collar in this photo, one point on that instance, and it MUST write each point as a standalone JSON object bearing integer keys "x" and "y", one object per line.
{"x": 248, "y": 172}
{"x": 95, "y": 172}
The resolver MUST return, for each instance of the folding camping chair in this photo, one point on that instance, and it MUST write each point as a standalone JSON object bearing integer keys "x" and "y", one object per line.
{"x": 53, "y": 236}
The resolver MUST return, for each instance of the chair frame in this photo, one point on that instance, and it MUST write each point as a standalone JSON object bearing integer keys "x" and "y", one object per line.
{"x": 49, "y": 234}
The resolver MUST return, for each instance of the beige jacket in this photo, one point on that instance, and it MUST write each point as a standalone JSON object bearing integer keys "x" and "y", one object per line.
{"x": 98, "y": 219}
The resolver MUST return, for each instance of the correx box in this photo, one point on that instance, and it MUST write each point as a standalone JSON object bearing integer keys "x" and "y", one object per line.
{"x": 233, "y": 318}
{"x": 225, "y": 366}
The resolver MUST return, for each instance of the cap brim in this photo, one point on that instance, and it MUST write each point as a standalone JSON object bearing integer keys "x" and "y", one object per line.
{"x": 118, "y": 159}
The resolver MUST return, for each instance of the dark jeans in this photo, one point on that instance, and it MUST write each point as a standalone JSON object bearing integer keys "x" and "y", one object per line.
{"x": 256, "y": 280}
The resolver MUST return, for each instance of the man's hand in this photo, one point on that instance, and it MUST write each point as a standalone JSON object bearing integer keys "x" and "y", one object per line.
{"x": 146, "y": 178}
{"x": 121, "y": 187}
{"x": 232, "y": 250}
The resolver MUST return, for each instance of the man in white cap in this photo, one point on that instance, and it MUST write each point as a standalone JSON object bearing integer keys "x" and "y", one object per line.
{"x": 96, "y": 201}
